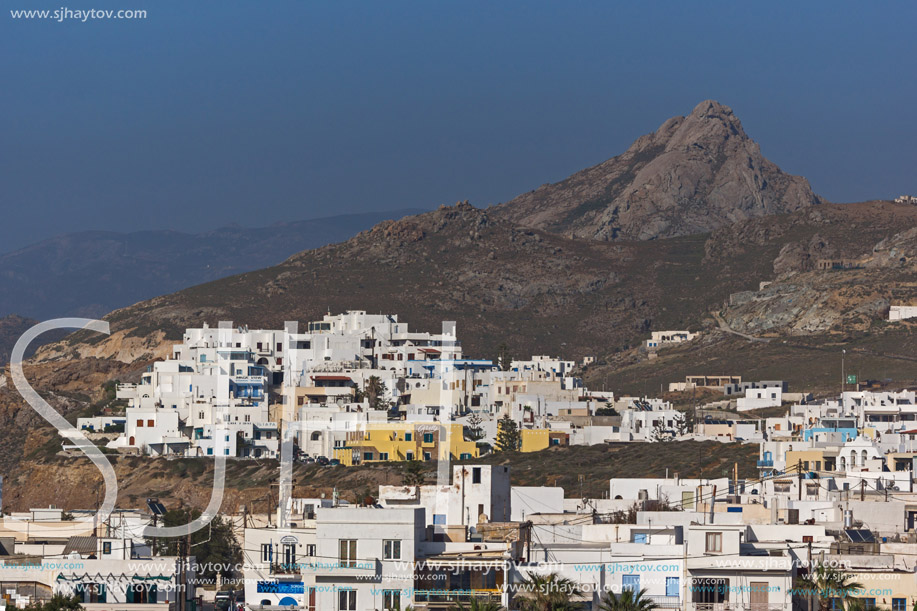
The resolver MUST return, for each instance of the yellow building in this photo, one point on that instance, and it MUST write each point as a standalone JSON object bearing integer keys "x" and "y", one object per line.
{"x": 406, "y": 441}
{"x": 811, "y": 460}
{"x": 534, "y": 440}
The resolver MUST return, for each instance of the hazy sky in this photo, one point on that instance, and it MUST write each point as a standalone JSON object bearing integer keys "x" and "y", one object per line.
{"x": 208, "y": 113}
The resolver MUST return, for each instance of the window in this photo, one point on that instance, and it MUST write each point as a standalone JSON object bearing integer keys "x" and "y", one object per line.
{"x": 630, "y": 582}
{"x": 476, "y": 475}
{"x": 92, "y": 592}
{"x": 383, "y": 455}
{"x": 140, "y": 424}
{"x": 709, "y": 590}
{"x": 347, "y": 600}
{"x": 209, "y": 451}
{"x": 289, "y": 555}
{"x": 671, "y": 586}
{"x": 899, "y": 604}
{"x": 427, "y": 456}
{"x": 150, "y": 423}
{"x": 640, "y": 538}
{"x": 391, "y": 600}
{"x": 715, "y": 542}
{"x": 267, "y": 552}
{"x": 279, "y": 347}
{"x": 408, "y": 437}
{"x": 409, "y": 455}
{"x": 367, "y": 455}
{"x": 391, "y": 549}
{"x": 310, "y": 549}
{"x": 106, "y": 547}
{"x": 869, "y": 603}
{"x": 428, "y": 437}
{"x": 464, "y": 456}
{"x": 348, "y": 556}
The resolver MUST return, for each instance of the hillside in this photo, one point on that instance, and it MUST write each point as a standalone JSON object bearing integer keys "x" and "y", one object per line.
{"x": 692, "y": 175}
{"x": 11, "y": 327}
{"x": 74, "y": 482}
{"x": 91, "y": 273}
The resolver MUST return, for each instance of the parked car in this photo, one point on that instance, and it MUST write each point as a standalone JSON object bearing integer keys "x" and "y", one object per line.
{"x": 321, "y": 460}
{"x": 334, "y": 462}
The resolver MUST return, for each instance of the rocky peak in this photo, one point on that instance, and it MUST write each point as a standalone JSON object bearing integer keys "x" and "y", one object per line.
{"x": 693, "y": 174}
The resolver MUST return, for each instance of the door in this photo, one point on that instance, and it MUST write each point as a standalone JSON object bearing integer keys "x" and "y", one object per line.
{"x": 757, "y": 595}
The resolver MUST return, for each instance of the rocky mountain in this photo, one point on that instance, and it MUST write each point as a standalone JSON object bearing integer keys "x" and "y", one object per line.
{"x": 692, "y": 175}
{"x": 11, "y": 327}
{"x": 539, "y": 293}
{"x": 92, "y": 273}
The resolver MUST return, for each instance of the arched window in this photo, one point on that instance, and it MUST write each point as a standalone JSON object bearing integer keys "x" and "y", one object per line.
{"x": 316, "y": 436}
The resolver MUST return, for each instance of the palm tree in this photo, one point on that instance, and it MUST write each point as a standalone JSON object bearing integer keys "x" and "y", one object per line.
{"x": 373, "y": 390}
{"x": 827, "y": 583}
{"x": 855, "y": 604}
{"x": 546, "y": 593}
{"x": 477, "y": 604}
{"x": 628, "y": 600}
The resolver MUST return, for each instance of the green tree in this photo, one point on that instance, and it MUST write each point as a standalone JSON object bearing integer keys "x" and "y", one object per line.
{"x": 58, "y": 602}
{"x": 475, "y": 431}
{"x": 504, "y": 358}
{"x": 214, "y": 547}
{"x": 684, "y": 422}
{"x": 549, "y": 592}
{"x": 628, "y": 600}
{"x": 826, "y": 583}
{"x": 374, "y": 391}
{"x": 508, "y": 437}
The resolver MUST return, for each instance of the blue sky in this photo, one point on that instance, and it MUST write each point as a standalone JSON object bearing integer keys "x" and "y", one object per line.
{"x": 210, "y": 113}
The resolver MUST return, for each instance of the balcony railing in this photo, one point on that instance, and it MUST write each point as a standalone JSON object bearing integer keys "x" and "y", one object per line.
{"x": 767, "y": 462}
{"x": 285, "y": 568}
{"x": 665, "y": 602}
{"x": 741, "y": 606}
{"x": 449, "y": 599}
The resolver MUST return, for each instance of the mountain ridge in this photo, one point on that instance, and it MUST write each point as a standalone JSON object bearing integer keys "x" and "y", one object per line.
{"x": 91, "y": 273}
{"x": 695, "y": 173}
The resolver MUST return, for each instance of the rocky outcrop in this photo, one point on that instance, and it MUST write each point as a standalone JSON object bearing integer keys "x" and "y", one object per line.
{"x": 692, "y": 175}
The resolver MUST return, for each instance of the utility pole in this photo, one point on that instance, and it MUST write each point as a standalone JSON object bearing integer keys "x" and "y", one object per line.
{"x": 862, "y": 489}
{"x": 180, "y": 586}
{"x": 735, "y": 481}
{"x": 843, "y": 376}
{"x": 809, "y": 596}
{"x": 799, "y": 474}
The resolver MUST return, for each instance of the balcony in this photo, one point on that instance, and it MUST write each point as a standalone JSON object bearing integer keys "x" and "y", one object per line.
{"x": 367, "y": 570}
{"x": 449, "y": 600}
{"x": 739, "y": 607}
{"x": 664, "y": 602}
{"x": 767, "y": 462}
{"x": 285, "y": 569}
